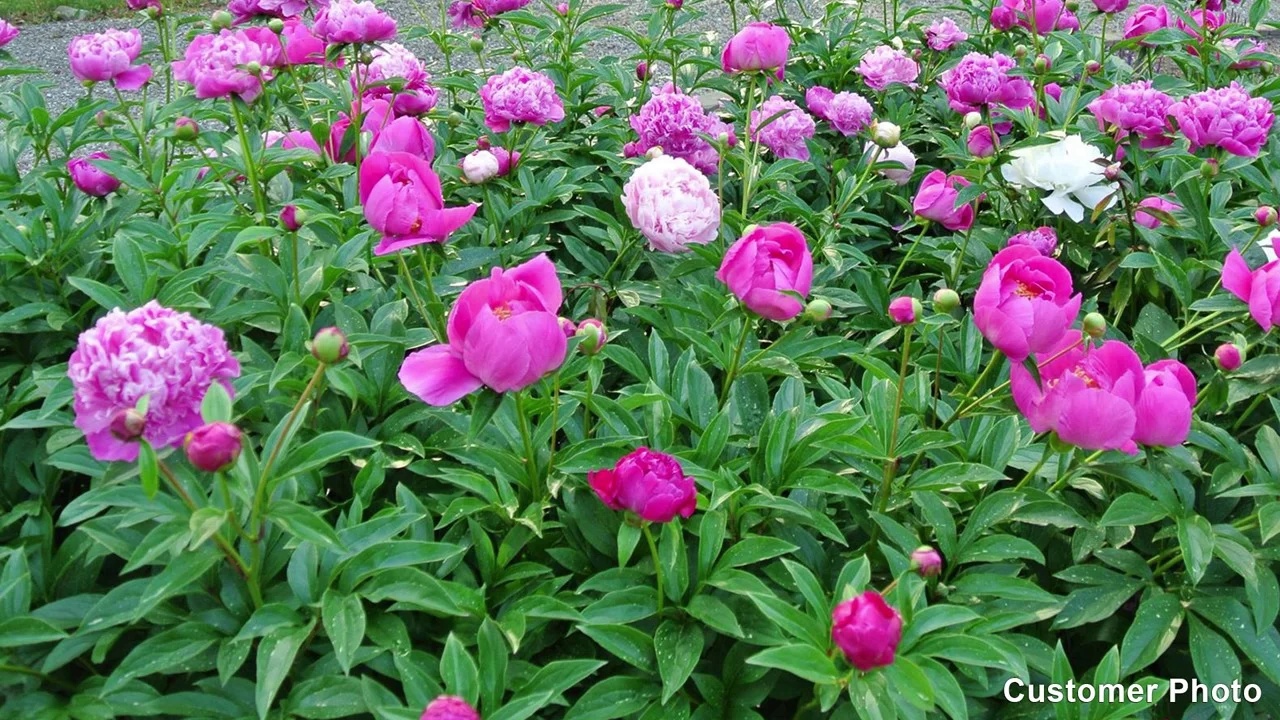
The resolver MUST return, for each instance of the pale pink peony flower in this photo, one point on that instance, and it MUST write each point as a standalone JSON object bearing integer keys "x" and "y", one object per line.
{"x": 1135, "y": 107}
{"x": 847, "y": 112}
{"x": 217, "y": 65}
{"x": 785, "y": 135}
{"x": 108, "y": 56}
{"x": 520, "y": 95}
{"x": 944, "y": 34}
{"x": 8, "y": 31}
{"x": 1146, "y": 20}
{"x": 391, "y": 61}
{"x": 1043, "y": 240}
{"x": 676, "y": 122}
{"x": 672, "y": 204}
{"x": 1225, "y": 117}
{"x": 349, "y": 21}
{"x": 884, "y": 66}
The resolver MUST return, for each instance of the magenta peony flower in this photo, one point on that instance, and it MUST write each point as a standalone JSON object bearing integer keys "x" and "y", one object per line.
{"x": 402, "y": 200}
{"x": 677, "y": 123}
{"x": 1147, "y": 220}
{"x": 672, "y": 204}
{"x": 1146, "y": 20}
{"x": 936, "y": 200}
{"x": 1243, "y": 48}
{"x": 504, "y": 333}
{"x": 8, "y": 32}
{"x": 1043, "y": 240}
{"x": 142, "y": 5}
{"x": 884, "y": 66}
{"x": 473, "y": 13}
{"x": 216, "y": 65}
{"x": 1111, "y": 6}
{"x": 767, "y": 268}
{"x": 167, "y": 356}
{"x": 1163, "y": 410}
{"x": 449, "y": 707}
{"x": 1038, "y": 16}
{"x": 757, "y": 47}
{"x": 390, "y": 61}
{"x": 350, "y": 21}
{"x": 108, "y": 57}
{"x": 1225, "y": 117}
{"x": 867, "y": 630}
{"x": 1025, "y": 302}
{"x": 847, "y": 112}
{"x": 1003, "y": 18}
{"x": 91, "y": 179}
{"x": 982, "y": 81}
{"x": 520, "y": 96}
{"x": 1201, "y": 20}
{"x": 944, "y": 34}
{"x": 786, "y": 133}
{"x": 214, "y": 446}
{"x": 404, "y": 134}
{"x": 649, "y": 483}
{"x": 1135, "y": 107}
{"x": 1259, "y": 288}
{"x": 982, "y": 142}
{"x": 301, "y": 46}
{"x": 291, "y": 140}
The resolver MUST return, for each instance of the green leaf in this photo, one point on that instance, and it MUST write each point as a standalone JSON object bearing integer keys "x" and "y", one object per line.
{"x": 612, "y": 698}
{"x": 1215, "y": 662}
{"x": 910, "y": 684}
{"x": 173, "y": 651}
{"x": 26, "y": 630}
{"x": 625, "y": 642}
{"x": 678, "y": 648}
{"x": 753, "y": 549}
{"x": 148, "y": 468}
{"x": 1132, "y": 509}
{"x": 1195, "y": 538}
{"x": 276, "y": 653}
{"x": 305, "y": 524}
{"x": 344, "y": 623}
{"x": 1153, "y": 629}
{"x": 175, "y": 578}
{"x": 494, "y": 654}
{"x": 204, "y": 523}
{"x": 321, "y": 451}
{"x": 216, "y": 406}
{"x": 106, "y": 297}
{"x": 804, "y": 661}
{"x": 459, "y": 672}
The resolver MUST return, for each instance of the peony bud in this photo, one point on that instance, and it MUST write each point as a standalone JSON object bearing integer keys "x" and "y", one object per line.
{"x": 593, "y": 335}
{"x": 926, "y": 561}
{"x": 480, "y": 166}
{"x": 817, "y": 310}
{"x": 222, "y": 20}
{"x": 276, "y": 25}
{"x": 482, "y": 143}
{"x": 329, "y": 346}
{"x": 1072, "y": 5}
{"x": 213, "y": 447}
{"x": 653, "y": 152}
{"x": 1093, "y": 67}
{"x": 1095, "y": 326}
{"x": 292, "y": 218}
{"x": 1020, "y": 51}
{"x": 476, "y": 44}
{"x": 972, "y": 119}
{"x": 649, "y": 483}
{"x": 885, "y": 134}
{"x": 102, "y": 118}
{"x": 128, "y": 424}
{"x": 184, "y": 128}
{"x": 563, "y": 9}
{"x": 154, "y": 12}
{"x": 867, "y": 630}
{"x": 946, "y": 300}
{"x": 675, "y": 4}
{"x": 454, "y": 119}
{"x": 904, "y": 310}
{"x": 1265, "y": 215}
{"x": 1209, "y": 169}
{"x": 449, "y": 707}
{"x": 642, "y": 70}
{"x": 1112, "y": 171}
{"x": 1228, "y": 356}
{"x": 1042, "y": 63}
{"x": 568, "y": 327}
{"x": 253, "y": 67}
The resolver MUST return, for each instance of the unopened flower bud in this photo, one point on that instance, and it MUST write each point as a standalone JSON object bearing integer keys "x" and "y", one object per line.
{"x": 1265, "y": 215}
{"x": 896, "y": 42}
{"x": 568, "y": 327}
{"x": 222, "y": 20}
{"x": 214, "y": 446}
{"x": 905, "y": 310}
{"x": 276, "y": 25}
{"x": 926, "y": 561}
{"x": 723, "y": 138}
{"x": 253, "y": 67}
{"x": 886, "y": 134}
{"x": 675, "y": 4}
{"x": 1073, "y": 5}
{"x": 972, "y": 119}
{"x": 1228, "y": 356}
{"x": 154, "y": 12}
{"x": 482, "y": 143}
{"x": 593, "y": 335}
{"x": 1042, "y": 63}
{"x": 329, "y": 346}
{"x": 128, "y": 424}
{"x": 653, "y": 152}
{"x": 1209, "y": 168}
{"x": 184, "y": 128}
{"x": 917, "y": 54}
{"x": 1093, "y": 67}
{"x": 454, "y": 119}
{"x": 476, "y": 44}
{"x": 1112, "y": 171}
{"x": 642, "y": 70}
{"x": 292, "y": 218}
{"x": 1020, "y": 51}
{"x": 946, "y": 300}
{"x": 817, "y": 310}
{"x": 102, "y": 118}
{"x": 562, "y": 9}
{"x": 1095, "y": 326}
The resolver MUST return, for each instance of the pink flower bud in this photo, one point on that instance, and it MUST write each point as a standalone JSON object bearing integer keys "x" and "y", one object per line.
{"x": 1112, "y": 171}
{"x": 593, "y": 335}
{"x": 329, "y": 346}
{"x": 568, "y": 326}
{"x": 483, "y": 143}
{"x": 867, "y": 630}
{"x": 1265, "y": 215}
{"x": 675, "y": 4}
{"x": 449, "y": 707}
{"x": 904, "y": 310}
{"x": 563, "y": 9}
{"x": 214, "y": 446}
{"x": 926, "y": 561}
{"x": 184, "y": 128}
{"x": 128, "y": 424}
{"x": 642, "y": 70}
{"x": 1228, "y": 357}
{"x": 648, "y": 483}
{"x": 291, "y": 218}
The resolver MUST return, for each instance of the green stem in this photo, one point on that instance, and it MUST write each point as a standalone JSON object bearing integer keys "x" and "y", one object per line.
{"x": 733, "y": 362}
{"x": 259, "y": 494}
{"x": 657, "y": 565}
{"x": 250, "y": 168}
{"x": 531, "y": 457}
{"x": 924, "y": 227}
{"x": 428, "y": 281}
{"x": 1044, "y": 457}
{"x": 23, "y": 670}
{"x": 891, "y": 464}
{"x": 417, "y": 299}
{"x": 753, "y": 151}
{"x": 1202, "y": 333}
{"x": 233, "y": 557}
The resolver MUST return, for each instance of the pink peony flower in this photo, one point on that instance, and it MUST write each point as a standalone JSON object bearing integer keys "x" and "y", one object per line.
{"x": 1225, "y": 117}
{"x": 1043, "y": 240}
{"x": 672, "y": 204}
{"x": 1243, "y": 48}
{"x": 405, "y": 134}
{"x": 89, "y": 178}
{"x": 1201, "y": 20}
{"x": 216, "y": 65}
{"x": 786, "y": 133}
{"x": 1163, "y": 410}
{"x": 8, "y": 32}
{"x": 402, "y": 200}
{"x": 884, "y": 66}
{"x": 350, "y": 21}
{"x": 1156, "y": 202}
{"x": 415, "y": 95}
{"x": 301, "y": 46}
{"x": 108, "y": 57}
{"x": 757, "y": 47}
{"x": 650, "y": 484}
{"x": 944, "y": 34}
{"x": 504, "y": 333}
{"x": 1146, "y": 20}
{"x": 982, "y": 142}
{"x": 1136, "y": 107}
{"x": 141, "y": 5}
{"x": 847, "y": 112}
{"x": 767, "y": 268}
{"x": 867, "y": 630}
{"x": 1025, "y": 302}
{"x": 1038, "y": 16}
{"x": 1259, "y": 288}
{"x": 676, "y": 122}
{"x": 936, "y": 200}
{"x": 473, "y": 13}
{"x": 167, "y": 356}
{"x": 1111, "y": 6}
{"x": 983, "y": 81}
{"x": 520, "y": 96}
{"x": 449, "y": 707}
{"x": 212, "y": 447}
{"x": 292, "y": 140}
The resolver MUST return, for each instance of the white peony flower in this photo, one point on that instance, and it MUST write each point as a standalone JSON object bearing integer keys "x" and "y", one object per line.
{"x": 1067, "y": 169}
{"x": 672, "y": 204}
{"x": 480, "y": 166}
{"x": 900, "y": 154}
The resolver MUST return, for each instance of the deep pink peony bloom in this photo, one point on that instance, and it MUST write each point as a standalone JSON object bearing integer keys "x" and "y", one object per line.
{"x": 212, "y": 447}
{"x": 291, "y": 140}
{"x": 520, "y": 96}
{"x": 89, "y": 178}
{"x": 982, "y": 142}
{"x": 301, "y": 46}
{"x": 1260, "y": 288}
{"x": 1043, "y": 240}
{"x": 504, "y": 333}
{"x": 983, "y": 81}
{"x": 350, "y": 21}
{"x": 649, "y": 483}
{"x": 216, "y": 64}
{"x": 1111, "y": 6}
{"x": 8, "y": 31}
{"x": 1225, "y": 117}
{"x": 884, "y": 66}
{"x": 867, "y": 630}
{"x": 936, "y": 200}
{"x": 108, "y": 57}
{"x": 1201, "y": 20}
{"x": 1136, "y": 107}
{"x": 152, "y": 351}
{"x": 785, "y": 135}
{"x": 1025, "y": 302}
{"x": 1038, "y": 16}
{"x": 1003, "y": 18}
{"x": 672, "y": 204}
{"x": 390, "y": 61}
{"x": 1163, "y": 410}
{"x": 944, "y": 34}
{"x": 1147, "y": 220}
{"x": 449, "y": 707}
{"x": 847, "y": 112}
{"x": 473, "y": 13}
{"x": 676, "y": 122}
{"x": 767, "y": 268}
{"x": 407, "y": 135}
{"x": 1243, "y": 48}
{"x": 1146, "y": 20}
{"x": 402, "y": 200}
{"x": 759, "y": 46}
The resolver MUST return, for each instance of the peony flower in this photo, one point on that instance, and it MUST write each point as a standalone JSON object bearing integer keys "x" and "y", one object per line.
{"x": 301, "y": 46}
{"x": 504, "y": 333}
{"x": 847, "y": 112}
{"x": 676, "y": 122}
{"x": 1243, "y": 48}
{"x": 982, "y": 142}
{"x": 1156, "y": 202}
{"x": 983, "y": 81}
{"x": 108, "y": 57}
{"x": 786, "y": 132}
{"x": 867, "y": 630}
{"x": 291, "y": 140}
{"x": 904, "y": 310}
{"x": 767, "y": 268}
{"x": 1025, "y": 302}
{"x": 350, "y": 21}
{"x": 415, "y": 96}
{"x": 757, "y": 47}
{"x": 1043, "y": 240}
{"x": 479, "y": 166}
{"x": 1163, "y": 411}
{"x": 1146, "y": 20}
{"x": 449, "y": 707}
{"x": 406, "y": 135}
{"x": 1225, "y": 117}
{"x": 473, "y": 13}
{"x": 402, "y": 200}
{"x": 91, "y": 179}
{"x": 944, "y": 34}
{"x": 8, "y": 32}
{"x": 213, "y": 447}
{"x": 936, "y": 200}
{"x": 649, "y": 483}
{"x": 926, "y": 561}
{"x": 217, "y": 65}
{"x": 166, "y": 356}
{"x": 1038, "y": 16}
{"x": 897, "y": 155}
{"x": 520, "y": 96}
{"x": 672, "y": 204}
{"x": 884, "y": 66}
{"x": 1259, "y": 288}
{"x": 1111, "y": 6}
{"x": 1201, "y": 20}
{"x": 1066, "y": 168}
{"x": 1136, "y": 107}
